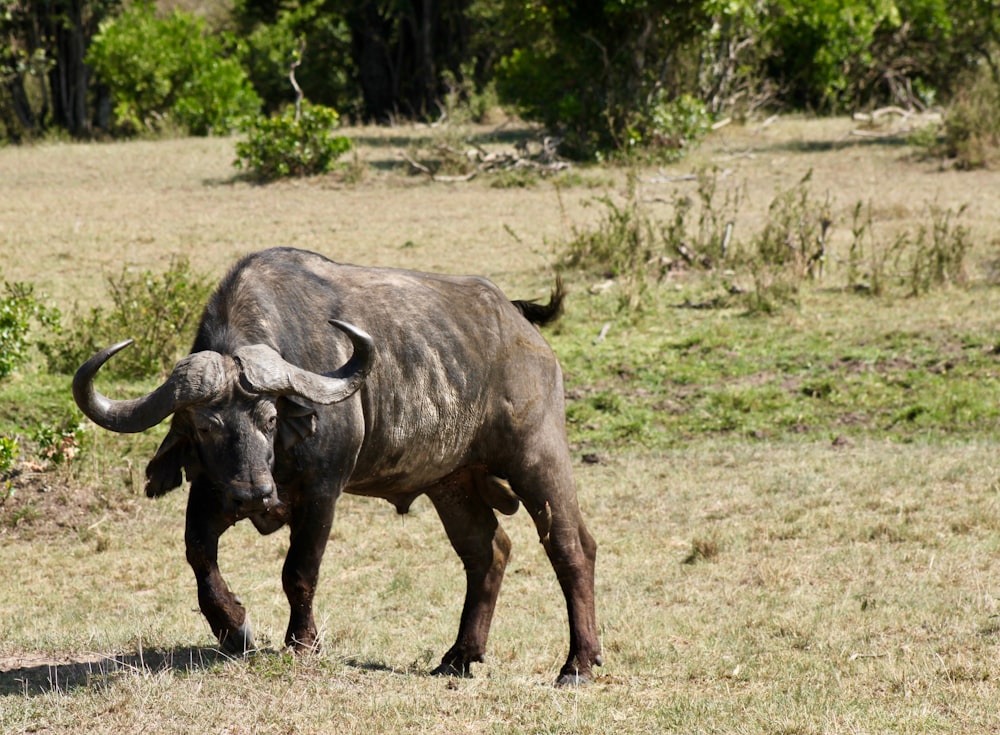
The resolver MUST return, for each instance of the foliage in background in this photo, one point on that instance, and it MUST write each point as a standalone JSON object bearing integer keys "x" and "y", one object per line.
{"x": 625, "y": 77}
{"x": 292, "y": 144}
{"x": 832, "y": 56}
{"x": 19, "y": 310}
{"x": 605, "y": 75}
{"x": 374, "y": 60}
{"x": 273, "y": 35}
{"x": 159, "y": 311}
{"x": 44, "y": 81}
{"x": 170, "y": 70}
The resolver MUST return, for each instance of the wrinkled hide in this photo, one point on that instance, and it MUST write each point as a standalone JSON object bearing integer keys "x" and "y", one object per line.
{"x": 309, "y": 378}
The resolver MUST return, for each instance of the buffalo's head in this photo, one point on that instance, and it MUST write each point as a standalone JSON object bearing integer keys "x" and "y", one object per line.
{"x": 229, "y": 413}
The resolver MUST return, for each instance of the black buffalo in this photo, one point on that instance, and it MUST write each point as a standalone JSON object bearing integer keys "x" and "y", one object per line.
{"x": 286, "y": 402}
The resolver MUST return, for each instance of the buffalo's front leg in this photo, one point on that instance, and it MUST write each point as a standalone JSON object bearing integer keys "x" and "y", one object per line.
{"x": 484, "y": 549}
{"x": 224, "y": 612}
{"x": 310, "y": 530}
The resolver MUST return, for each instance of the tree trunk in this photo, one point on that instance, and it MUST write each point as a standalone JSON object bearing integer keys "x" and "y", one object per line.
{"x": 370, "y": 32}
{"x": 69, "y": 76}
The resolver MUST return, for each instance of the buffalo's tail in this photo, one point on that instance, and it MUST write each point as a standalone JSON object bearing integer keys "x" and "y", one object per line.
{"x": 542, "y": 314}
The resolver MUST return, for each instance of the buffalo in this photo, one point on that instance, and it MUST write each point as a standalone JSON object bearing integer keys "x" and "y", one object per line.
{"x": 309, "y": 378}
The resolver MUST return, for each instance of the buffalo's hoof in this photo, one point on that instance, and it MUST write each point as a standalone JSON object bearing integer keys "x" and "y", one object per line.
{"x": 239, "y": 642}
{"x": 302, "y": 648}
{"x": 459, "y": 670}
{"x": 573, "y": 679}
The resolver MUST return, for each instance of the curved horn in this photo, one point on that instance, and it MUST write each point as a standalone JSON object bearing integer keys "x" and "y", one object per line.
{"x": 263, "y": 370}
{"x": 195, "y": 378}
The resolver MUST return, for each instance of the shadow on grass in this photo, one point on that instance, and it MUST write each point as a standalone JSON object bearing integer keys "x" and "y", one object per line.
{"x": 31, "y": 676}
{"x": 37, "y": 676}
{"x": 825, "y": 146}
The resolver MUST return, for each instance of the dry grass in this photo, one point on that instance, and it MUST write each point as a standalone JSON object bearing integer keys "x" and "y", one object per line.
{"x": 70, "y": 214}
{"x": 851, "y": 590}
{"x": 742, "y": 588}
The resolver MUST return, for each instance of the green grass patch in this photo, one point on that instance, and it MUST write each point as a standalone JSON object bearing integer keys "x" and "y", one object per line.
{"x": 873, "y": 371}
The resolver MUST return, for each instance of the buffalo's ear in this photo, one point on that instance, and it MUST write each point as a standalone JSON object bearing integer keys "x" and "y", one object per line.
{"x": 163, "y": 473}
{"x": 297, "y": 421}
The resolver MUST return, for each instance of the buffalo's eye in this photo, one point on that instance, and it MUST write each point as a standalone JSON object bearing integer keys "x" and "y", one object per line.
{"x": 266, "y": 416}
{"x": 207, "y": 423}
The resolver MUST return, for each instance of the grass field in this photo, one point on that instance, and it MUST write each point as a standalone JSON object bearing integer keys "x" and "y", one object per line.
{"x": 798, "y": 514}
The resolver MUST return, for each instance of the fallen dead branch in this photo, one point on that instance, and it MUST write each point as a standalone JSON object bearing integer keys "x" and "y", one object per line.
{"x": 888, "y": 122}
{"x": 542, "y": 159}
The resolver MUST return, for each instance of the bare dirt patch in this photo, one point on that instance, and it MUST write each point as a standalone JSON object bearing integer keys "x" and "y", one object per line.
{"x": 50, "y": 501}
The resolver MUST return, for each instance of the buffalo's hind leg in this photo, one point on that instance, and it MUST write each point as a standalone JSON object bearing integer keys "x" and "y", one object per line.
{"x": 543, "y": 480}
{"x": 225, "y": 614}
{"x": 484, "y": 548}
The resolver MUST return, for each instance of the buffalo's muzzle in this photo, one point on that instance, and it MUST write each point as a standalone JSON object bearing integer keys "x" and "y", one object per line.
{"x": 248, "y": 498}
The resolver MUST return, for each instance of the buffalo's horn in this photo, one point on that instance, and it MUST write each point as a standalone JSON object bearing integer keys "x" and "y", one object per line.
{"x": 194, "y": 379}
{"x": 263, "y": 370}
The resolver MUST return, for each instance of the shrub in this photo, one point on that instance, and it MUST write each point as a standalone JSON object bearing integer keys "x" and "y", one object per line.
{"x": 289, "y": 145}
{"x": 932, "y": 257}
{"x": 939, "y": 252}
{"x": 18, "y": 309}
{"x": 669, "y": 127}
{"x": 633, "y": 247}
{"x": 57, "y": 444}
{"x": 972, "y": 123}
{"x": 159, "y": 312}
{"x": 163, "y": 70}
{"x": 622, "y": 246}
{"x": 790, "y": 248}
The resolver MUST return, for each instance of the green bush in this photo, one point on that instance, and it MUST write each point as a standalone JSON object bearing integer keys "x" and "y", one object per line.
{"x": 283, "y": 145}
{"x": 18, "y": 309}
{"x": 669, "y": 127}
{"x": 160, "y": 312}
{"x": 57, "y": 444}
{"x": 169, "y": 70}
{"x": 605, "y": 76}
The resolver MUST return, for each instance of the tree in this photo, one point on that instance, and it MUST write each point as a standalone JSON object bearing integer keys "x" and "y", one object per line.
{"x": 170, "y": 69}
{"x": 599, "y": 70}
{"x": 395, "y": 52}
{"x": 42, "y": 48}
{"x": 836, "y": 55}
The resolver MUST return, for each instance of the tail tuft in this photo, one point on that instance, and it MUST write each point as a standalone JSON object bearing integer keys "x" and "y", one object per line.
{"x": 542, "y": 314}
